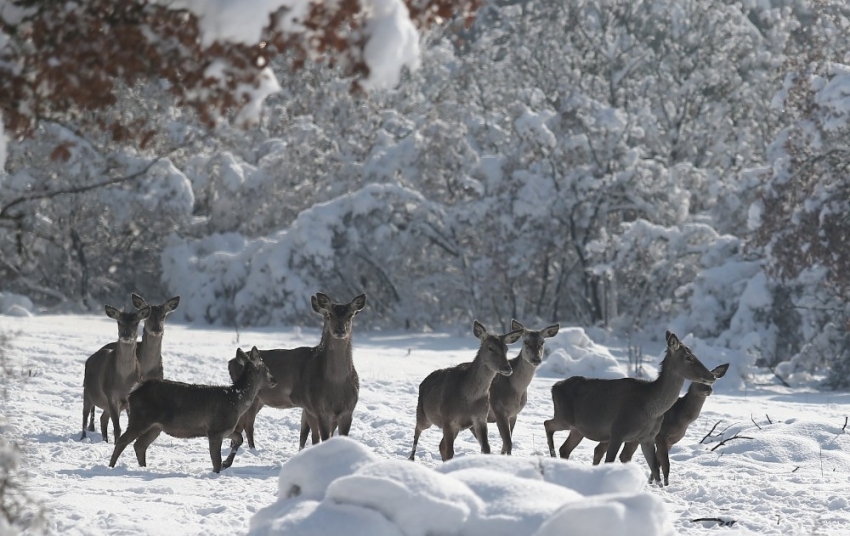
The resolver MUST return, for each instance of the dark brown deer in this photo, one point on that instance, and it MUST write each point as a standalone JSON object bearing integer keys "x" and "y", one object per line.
{"x": 187, "y": 410}
{"x": 321, "y": 379}
{"x": 625, "y": 409}
{"x": 457, "y": 398}
{"x": 508, "y": 394}
{"x": 111, "y": 372}
{"x": 673, "y": 426}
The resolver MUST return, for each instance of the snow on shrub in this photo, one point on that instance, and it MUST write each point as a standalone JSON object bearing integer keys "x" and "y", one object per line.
{"x": 573, "y": 353}
{"x": 350, "y": 490}
{"x": 15, "y": 304}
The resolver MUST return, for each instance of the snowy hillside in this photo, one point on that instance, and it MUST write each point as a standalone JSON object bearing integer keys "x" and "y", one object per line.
{"x": 787, "y": 472}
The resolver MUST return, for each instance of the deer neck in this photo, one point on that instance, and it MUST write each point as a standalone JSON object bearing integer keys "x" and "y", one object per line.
{"x": 125, "y": 357}
{"x": 336, "y": 354}
{"x": 246, "y": 387}
{"x": 691, "y": 405}
{"x": 478, "y": 379}
{"x": 664, "y": 391}
{"x": 523, "y": 373}
{"x": 150, "y": 349}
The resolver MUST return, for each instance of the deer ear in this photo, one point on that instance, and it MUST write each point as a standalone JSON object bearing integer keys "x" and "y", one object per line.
{"x": 515, "y": 325}
{"x": 551, "y": 331}
{"x": 323, "y": 302}
{"x": 479, "y": 330}
{"x": 315, "y": 304}
{"x": 138, "y": 301}
{"x": 172, "y": 304}
{"x": 144, "y": 312}
{"x": 672, "y": 341}
{"x": 241, "y": 357}
{"x": 112, "y": 312}
{"x": 358, "y": 303}
{"x": 254, "y": 355}
{"x": 513, "y": 336}
{"x": 720, "y": 371}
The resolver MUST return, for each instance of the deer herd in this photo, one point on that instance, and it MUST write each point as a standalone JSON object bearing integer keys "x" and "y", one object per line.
{"x": 321, "y": 380}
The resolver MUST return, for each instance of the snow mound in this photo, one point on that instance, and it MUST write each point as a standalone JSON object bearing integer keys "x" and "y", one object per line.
{"x": 575, "y": 354}
{"x": 15, "y": 304}
{"x": 344, "y": 487}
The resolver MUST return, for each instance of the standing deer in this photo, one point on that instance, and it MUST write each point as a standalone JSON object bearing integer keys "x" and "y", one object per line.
{"x": 673, "y": 426}
{"x": 187, "y": 410}
{"x": 149, "y": 350}
{"x": 457, "y": 398}
{"x": 111, "y": 372}
{"x": 508, "y": 394}
{"x": 321, "y": 379}
{"x": 625, "y": 409}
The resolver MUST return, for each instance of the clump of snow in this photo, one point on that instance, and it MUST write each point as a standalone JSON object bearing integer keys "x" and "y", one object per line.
{"x": 255, "y": 94}
{"x": 573, "y": 353}
{"x": 15, "y": 304}
{"x": 351, "y": 490}
{"x": 393, "y": 42}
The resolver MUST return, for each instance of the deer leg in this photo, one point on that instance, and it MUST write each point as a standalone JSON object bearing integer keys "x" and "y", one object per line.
{"x": 553, "y": 425}
{"x": 628, "y": 451}
{"x": 504, "y": 426}
{"x": 447, "y": 445}
{"x": 86, "y": 410}
{"x": 215, "y": 452}
{"x": 648, "y": 448}
{"x": 104, "y": 422}
{"x": 599, "y": 451}
{"x": 305, "y": 430}
{"x": 250, "y": 417}
{"x": 121, "y": 443}
{"x": 142, "y": 443}
{"x": 235, "y": 439}
{"x": 345, "y": 423}
{"x": 513, "y": 423}
{"x": 416, "y": 434}
{"x": 480, "y": 434}
{"x": 614, "y": 444}
{"x": 570, "y": 444}
{"x": 325, "y": 428}
{"x": 662, "y": 450}
{"x": 91, "y": 420}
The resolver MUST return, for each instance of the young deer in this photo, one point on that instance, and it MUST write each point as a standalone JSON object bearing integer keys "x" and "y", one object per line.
{"x": 321, "y": 379}
{"x": 674, "y": 424}
{"x": 457, "y": 398}
{"x": 508, "y": 394}
{"x": 186, "y": 410}
{"x": 625, "y": 409}
{"x": 111, "y": 372}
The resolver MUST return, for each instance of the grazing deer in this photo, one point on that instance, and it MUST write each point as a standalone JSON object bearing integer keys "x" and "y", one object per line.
{"x": 673, "y": 426}
{"x": 457, "y": 398}
{"x": 321, "y": 379}
{"x": 508, "y": 394}
{"x": 111, "y": 372}
{"x": 622, "y": 410}
{"x": 187, "y": 410}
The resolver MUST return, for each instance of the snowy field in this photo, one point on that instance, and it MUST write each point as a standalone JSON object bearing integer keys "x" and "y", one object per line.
{"x": 787, "y": 473}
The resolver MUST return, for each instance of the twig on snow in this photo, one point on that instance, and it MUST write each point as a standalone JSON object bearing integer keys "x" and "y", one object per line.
{"x": 754, "y": 421}
{"x": 736, "y": 436}
{"x": 710, "y": 432}
{"x": 719, "y": 521}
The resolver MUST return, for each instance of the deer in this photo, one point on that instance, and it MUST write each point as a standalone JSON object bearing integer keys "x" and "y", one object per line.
{"x": 149, "y": 350}
{"x": 320, "y": 379}
{"x": 674, "y": 424}
{"x": 188, "y": 410}
{"x": 508, "y": 394}
{"x": 622, "y": 410}
{"x": 111, "y": 372}
{"x": 458, "y": 397}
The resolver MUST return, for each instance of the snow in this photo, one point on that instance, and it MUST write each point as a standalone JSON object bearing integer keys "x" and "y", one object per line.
{"x": 785, "y": 473}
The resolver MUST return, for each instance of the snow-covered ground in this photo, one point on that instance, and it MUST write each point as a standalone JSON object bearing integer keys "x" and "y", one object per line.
{"x": 787, "y": 473}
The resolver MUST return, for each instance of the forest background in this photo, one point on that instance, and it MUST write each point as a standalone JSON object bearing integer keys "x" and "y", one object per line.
{"x": 635, "y": 165}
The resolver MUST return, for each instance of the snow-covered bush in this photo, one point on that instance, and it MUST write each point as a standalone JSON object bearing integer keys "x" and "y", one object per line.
{"x": 360, "y": 493}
